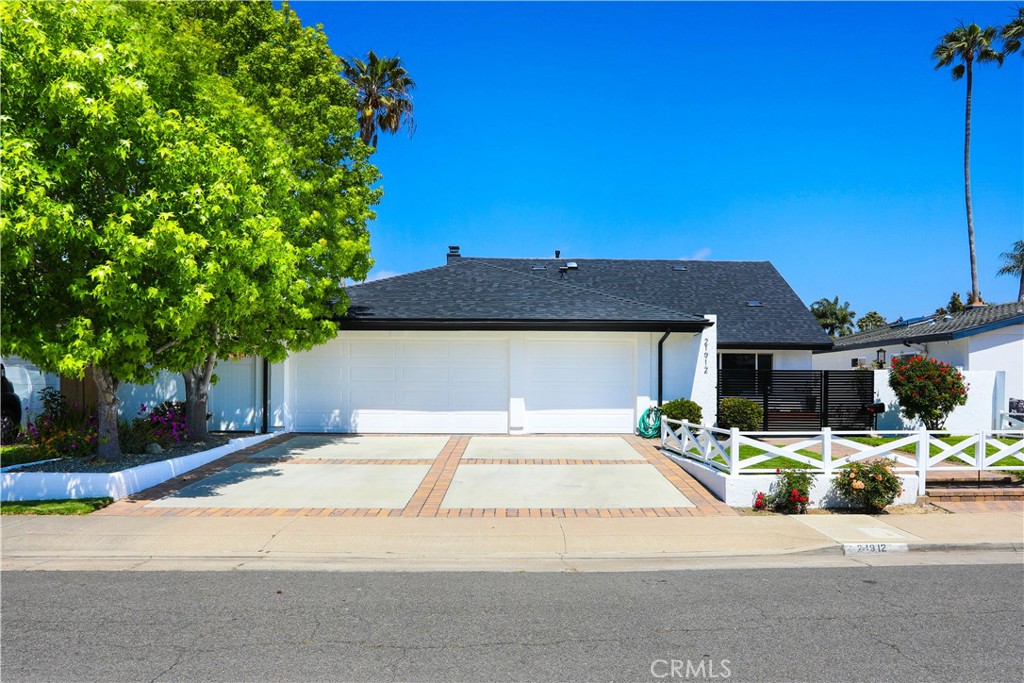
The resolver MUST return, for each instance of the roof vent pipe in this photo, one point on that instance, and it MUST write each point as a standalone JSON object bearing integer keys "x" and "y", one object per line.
{"x": 558, "y": 253}
{"x": 453, "y": 252}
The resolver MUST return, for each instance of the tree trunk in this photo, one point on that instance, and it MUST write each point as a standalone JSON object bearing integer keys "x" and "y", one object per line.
{"x": 975, "y": 292}
{"x": 109, "y": 446}
{"x": 197, "y": 397}
{"x": 1020, "y": 292}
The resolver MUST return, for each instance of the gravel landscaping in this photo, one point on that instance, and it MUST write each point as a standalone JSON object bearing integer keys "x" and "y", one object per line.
{"x": 134, "y": 459}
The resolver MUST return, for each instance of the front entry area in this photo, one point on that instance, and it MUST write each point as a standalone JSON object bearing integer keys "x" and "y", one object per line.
{"x": 469, "y": 383}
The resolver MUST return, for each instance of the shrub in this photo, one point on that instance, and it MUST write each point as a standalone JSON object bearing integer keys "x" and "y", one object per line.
{"x": 62, "y": 430}
{"x": 682, "y": 409}
{"x": 789, "y": 495}
{"x": 745, "y": 415}
{"x": 873, "y": 486}
{"x": 167, "y": 421}
{"x": 136, "y": 434}
{"x": 927, "y": 389}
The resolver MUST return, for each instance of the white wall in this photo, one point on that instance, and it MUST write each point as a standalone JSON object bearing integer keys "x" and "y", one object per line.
{"x": 952, "y": 352}
{"x": 985, "y": 395}
{"x": 1001, "y": 349}
{"x": 28, "y": 380}
{"x": 689, "y": 368}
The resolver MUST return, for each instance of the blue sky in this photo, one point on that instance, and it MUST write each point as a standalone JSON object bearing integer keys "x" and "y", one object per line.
{"x": 814, "y": 135}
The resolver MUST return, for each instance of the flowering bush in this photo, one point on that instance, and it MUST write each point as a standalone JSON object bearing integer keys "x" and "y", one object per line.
{"x": 164, "y": 424}
{"x": 789, "y": 495}
{"x": 873, "y": 486}
{"x": 927, "y": 389}
{"x": 62, "y": 430}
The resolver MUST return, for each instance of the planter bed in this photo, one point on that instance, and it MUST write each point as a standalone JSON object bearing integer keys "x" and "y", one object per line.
{"x": 22, "y": 485}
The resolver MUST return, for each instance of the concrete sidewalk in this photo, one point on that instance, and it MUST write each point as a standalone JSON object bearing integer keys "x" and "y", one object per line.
{"x": 410, "y": 544}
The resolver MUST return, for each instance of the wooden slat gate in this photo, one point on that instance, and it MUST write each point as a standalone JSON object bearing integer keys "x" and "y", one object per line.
{"x": 803, "y": 400}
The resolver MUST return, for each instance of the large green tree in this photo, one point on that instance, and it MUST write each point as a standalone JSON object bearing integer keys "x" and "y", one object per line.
{"x": 1013, "y": 265}
{"x": 385, "y": 95}
{"x": 965, "y": 46}
{"x": 288, "y": 73}
{"x": 835, "y": 318}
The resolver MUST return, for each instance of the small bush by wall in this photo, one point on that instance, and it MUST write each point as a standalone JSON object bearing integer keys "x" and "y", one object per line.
{"x": 682, "y": 409}
{"x": 745, "y": 415}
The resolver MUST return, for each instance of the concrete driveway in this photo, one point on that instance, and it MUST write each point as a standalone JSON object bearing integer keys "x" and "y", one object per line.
{"x": 437, "y": 476}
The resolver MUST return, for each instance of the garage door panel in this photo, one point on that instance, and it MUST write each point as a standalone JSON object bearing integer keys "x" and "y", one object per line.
{"x": 425, "y": 373}
{"x": 372, "y": 396}
{"x": 372, "y": 373}
{"x": 424, "y": 351}
{"x": 465, "y": 398}
{"x": 367, "y": 350}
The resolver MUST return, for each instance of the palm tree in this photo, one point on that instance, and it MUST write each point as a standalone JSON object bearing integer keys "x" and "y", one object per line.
{"x": 836, "y": 319}
{"x": 870, "y": 321}
{"x": 384, "y": 95}
{"x": 967, "y": 45}
{"x": 1013, "y": 33}
{"x": 1013, "y": 264}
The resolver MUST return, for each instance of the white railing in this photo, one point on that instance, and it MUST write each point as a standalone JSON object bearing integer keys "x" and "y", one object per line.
{"x": 826, "y": 450}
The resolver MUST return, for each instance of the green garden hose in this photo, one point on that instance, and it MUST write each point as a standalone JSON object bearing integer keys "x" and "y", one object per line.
{"x": 650, "y": 423}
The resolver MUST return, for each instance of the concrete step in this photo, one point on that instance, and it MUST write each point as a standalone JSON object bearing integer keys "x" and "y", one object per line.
{"x": 960, "y": 494}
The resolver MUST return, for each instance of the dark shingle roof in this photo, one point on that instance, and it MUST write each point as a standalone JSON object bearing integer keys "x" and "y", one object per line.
{"x": 937, "y": 328}
{"x": 599, "y": 290}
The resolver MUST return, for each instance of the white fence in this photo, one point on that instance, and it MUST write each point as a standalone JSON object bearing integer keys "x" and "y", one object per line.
{"x": 719, "y": 449}
{"x": 1010, "y": 421}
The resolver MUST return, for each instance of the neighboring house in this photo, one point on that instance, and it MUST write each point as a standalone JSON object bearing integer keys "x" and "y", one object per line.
{"x": 558, "y": 345}
{"x": 28, "y": 380}
{"x": 980, "y": 338}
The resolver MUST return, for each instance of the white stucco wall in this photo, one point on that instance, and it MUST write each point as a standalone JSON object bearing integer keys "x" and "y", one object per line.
{"x": 689, "y": 368}
{"x": 1001, "y": 349}
{"x": 952, "y": 352}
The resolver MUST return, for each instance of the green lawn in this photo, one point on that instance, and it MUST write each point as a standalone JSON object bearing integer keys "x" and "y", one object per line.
{"x": 18, "y": 454}
{"x": 780, "y": 462}
{"x": 82, "y": 506}
{"x": 990, "y": 449}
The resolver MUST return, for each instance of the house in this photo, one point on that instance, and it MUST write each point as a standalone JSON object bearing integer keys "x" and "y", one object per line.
{"x": 546, "y": 345}
{"x": 517, "y": 346}
{"x": 981, "y": 338}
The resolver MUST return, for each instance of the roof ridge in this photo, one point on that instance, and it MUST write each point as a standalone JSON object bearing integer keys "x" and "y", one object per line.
{"x": 401, "y": 275}
{"x": 562, "y": 282}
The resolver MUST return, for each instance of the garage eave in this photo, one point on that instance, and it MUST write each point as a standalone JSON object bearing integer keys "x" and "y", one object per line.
{"x": 535, "y": 325}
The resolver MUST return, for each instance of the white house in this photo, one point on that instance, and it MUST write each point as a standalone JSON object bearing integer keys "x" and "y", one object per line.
{"x": 517, "y": 346}
{"x": 982, "y": 338}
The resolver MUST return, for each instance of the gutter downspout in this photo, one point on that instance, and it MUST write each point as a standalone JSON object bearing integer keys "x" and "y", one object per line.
{"x": 266, "y": 396}
{"x": 660, "y": 361}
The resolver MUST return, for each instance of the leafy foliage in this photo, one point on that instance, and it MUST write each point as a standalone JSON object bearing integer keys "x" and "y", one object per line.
{"x": 740, "y": 413}
{"x": 836, "y": 319}
{"x": 789, "y": 494}
{"x": 62, "y": 430}
{"x": 1013, "y": 265}
{"x": 683, "y": 409}
{"x": 927, "y": 389}
{"x": 385, "y": 99}
{"x": 872, "y": 486}
{"x": 1013, "y": 32}
{"x": 870, "y": 321}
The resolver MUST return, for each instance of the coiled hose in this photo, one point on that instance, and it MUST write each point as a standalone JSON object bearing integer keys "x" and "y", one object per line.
{"x": 650, "y": 423}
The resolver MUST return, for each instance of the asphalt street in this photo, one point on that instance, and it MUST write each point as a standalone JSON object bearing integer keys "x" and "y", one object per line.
{"x": 904, "y": 623}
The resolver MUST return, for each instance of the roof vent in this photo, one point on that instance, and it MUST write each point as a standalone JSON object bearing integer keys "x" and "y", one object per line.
{"x": 680, "y": 269}
{"x": 754, "y": 303}
{"x": 558, "y": 253}
{"x": 572, "y": 265}
{"x": 538, "y": 267}
{"x": 453, "y": 252}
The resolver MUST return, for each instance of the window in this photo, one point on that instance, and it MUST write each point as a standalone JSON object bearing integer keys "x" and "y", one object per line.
{"x": 745, "y": 361}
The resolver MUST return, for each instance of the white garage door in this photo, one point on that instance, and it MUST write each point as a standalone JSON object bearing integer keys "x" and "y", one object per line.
{"x": 387, "y": 385}
{"x": 580, "y": 386}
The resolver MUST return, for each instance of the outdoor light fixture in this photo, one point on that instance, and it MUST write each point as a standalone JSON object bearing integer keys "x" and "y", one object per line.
{"x": 880, "y": 357}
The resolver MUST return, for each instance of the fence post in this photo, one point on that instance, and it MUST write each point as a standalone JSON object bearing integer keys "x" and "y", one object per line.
{"x": 826, "y": 450}
{"x": 980, "y": 451}
{"x": 922, "y": 458}
{"x": 734, "y": 451}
